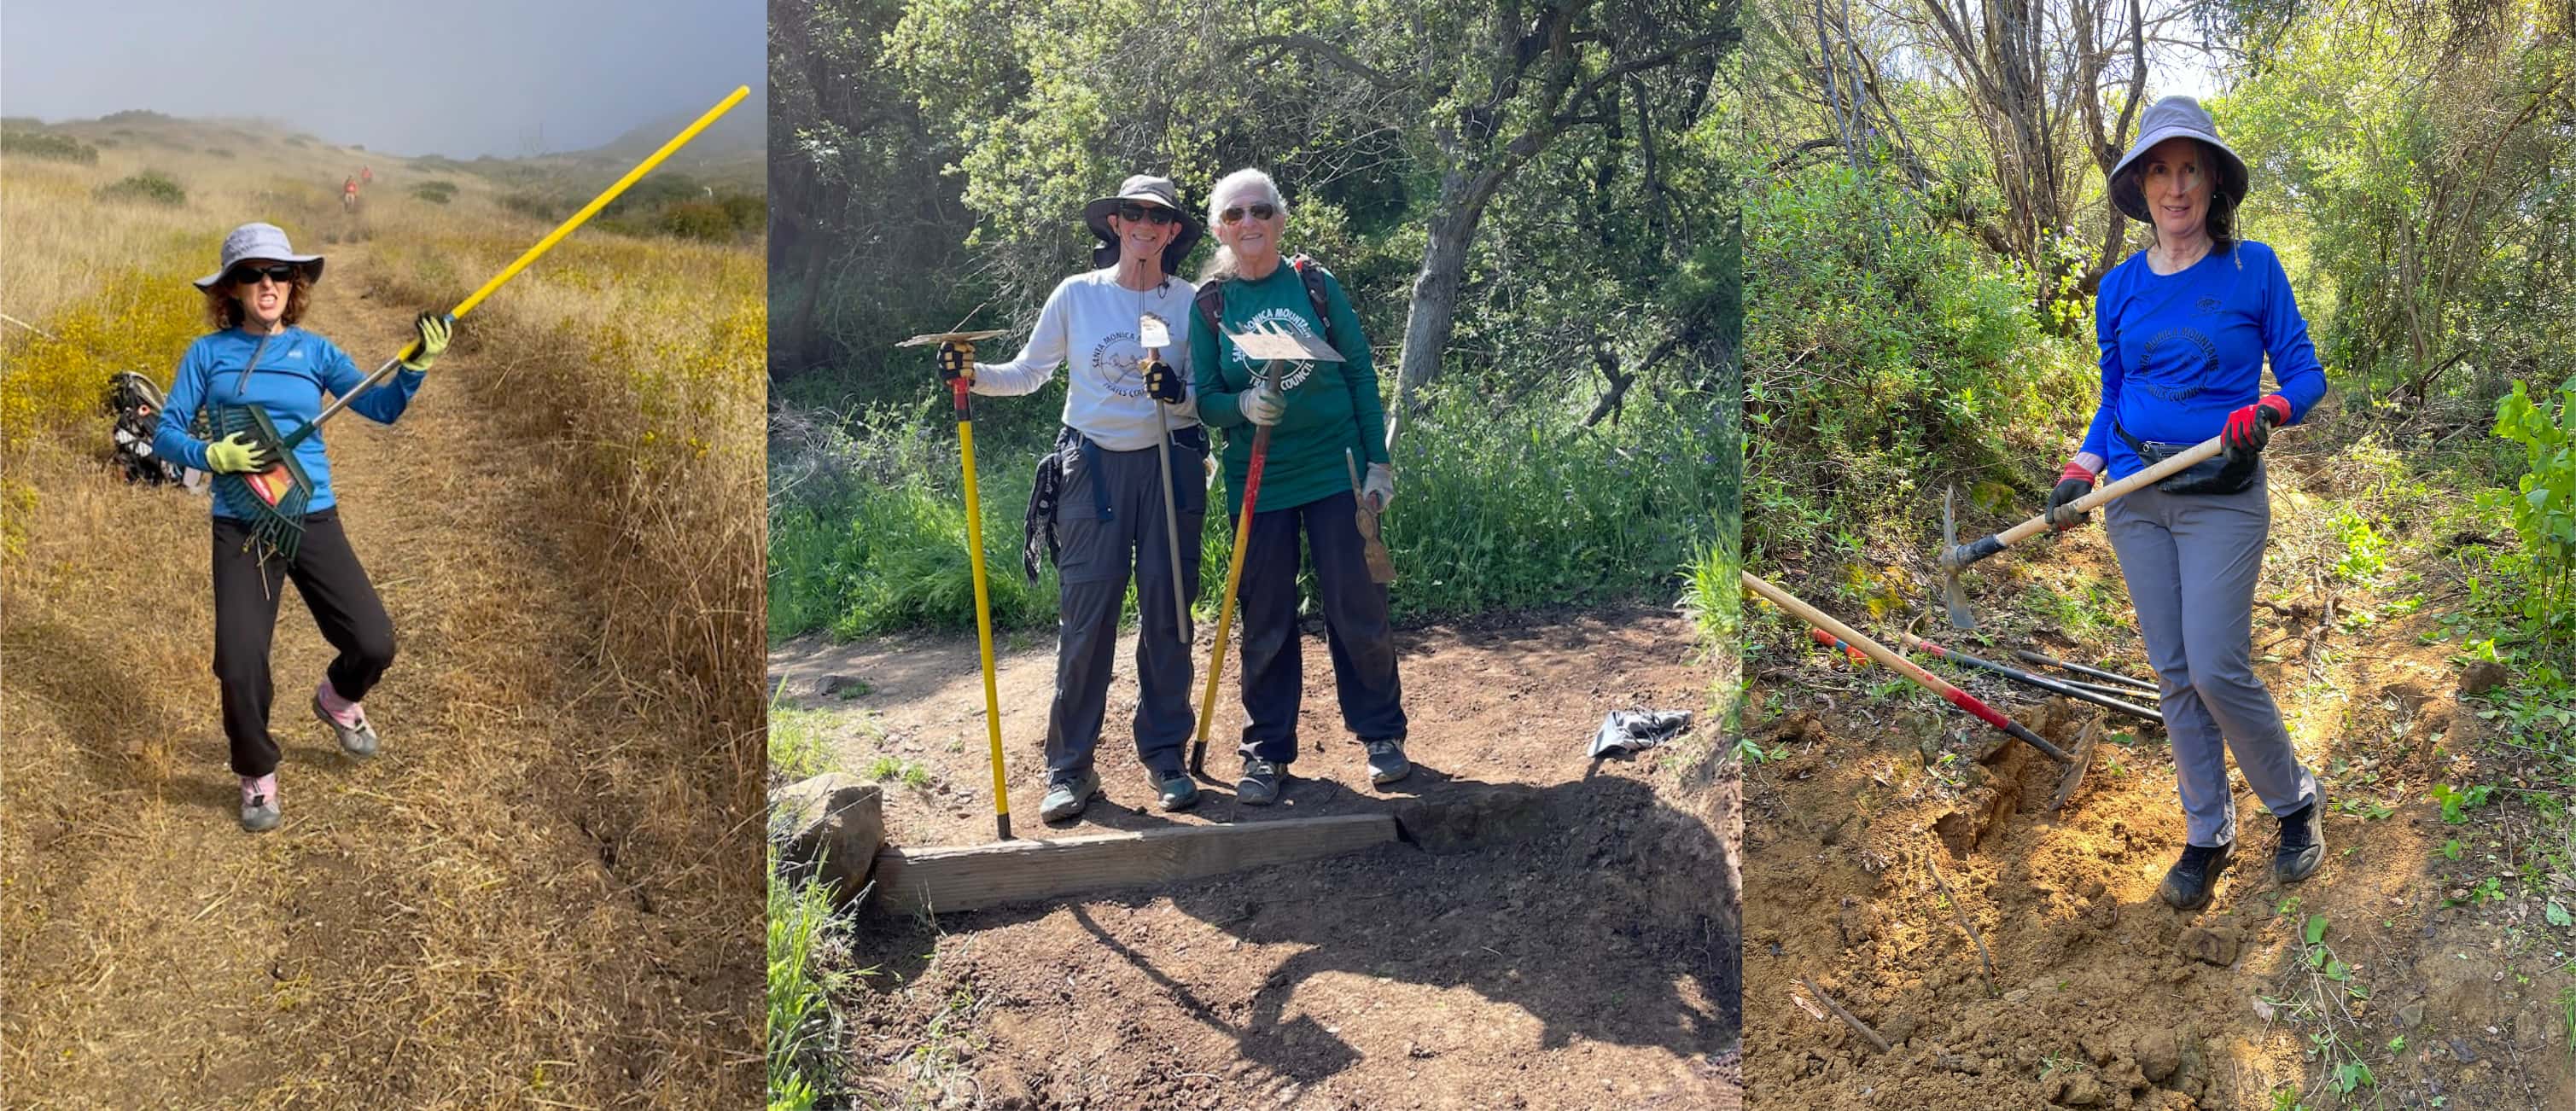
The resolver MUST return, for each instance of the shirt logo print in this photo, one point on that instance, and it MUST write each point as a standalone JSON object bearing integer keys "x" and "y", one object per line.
{"x": 1298, "y": 371}
{"x": 1117, "y": 363}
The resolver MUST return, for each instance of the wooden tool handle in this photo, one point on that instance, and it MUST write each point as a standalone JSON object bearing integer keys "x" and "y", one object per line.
{"x": 2172, "y": 465}
{"x": 1902, "y": 666}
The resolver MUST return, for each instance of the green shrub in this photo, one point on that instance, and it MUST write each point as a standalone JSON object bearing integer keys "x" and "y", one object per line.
{"x": 705, "y": 220}
{"x": 57, "y": 148}
{"x": 533, "y": 206}
{"x": 435, "y": 192}
{"x": 148, "y": 187}
{"x": 1881, "y": 352}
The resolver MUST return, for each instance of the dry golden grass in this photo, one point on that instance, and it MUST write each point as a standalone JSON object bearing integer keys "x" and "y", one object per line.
{"x": 547, "y": 892}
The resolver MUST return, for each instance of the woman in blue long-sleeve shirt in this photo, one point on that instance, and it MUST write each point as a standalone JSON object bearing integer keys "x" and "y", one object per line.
{"x": 257, "y": 356}
{"x": 2185, "y": 327}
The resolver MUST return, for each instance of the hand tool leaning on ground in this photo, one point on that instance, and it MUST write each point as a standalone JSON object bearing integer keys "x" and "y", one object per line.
{"x": 1381, "y": 569}
{"x": 2142, "y": 686}
{"x": 2075, "y": 691}
{"x": 1874, "y": 650}
{"x": 1957, "y": 557}
{"x": 957, "y": 388}
{"x": 1157, "y": 335}
{"x": 1275, "y": 347}
{"x": 272, "y": 500}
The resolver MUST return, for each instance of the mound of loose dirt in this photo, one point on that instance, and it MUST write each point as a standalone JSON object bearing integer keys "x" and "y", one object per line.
{"x": 2101, "y": 995}
{"x": 1586, "y": 961}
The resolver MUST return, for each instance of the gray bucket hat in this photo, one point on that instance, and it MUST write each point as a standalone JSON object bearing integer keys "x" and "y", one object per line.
{"x": 266, "y": 241}
{"x": 1148, "y": 189}
{"x": 2173, "y": 117}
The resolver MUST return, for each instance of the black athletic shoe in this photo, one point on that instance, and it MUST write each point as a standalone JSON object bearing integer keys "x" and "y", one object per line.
{"x": 2303, "y": 843}
{"x": 2194, "y": 878}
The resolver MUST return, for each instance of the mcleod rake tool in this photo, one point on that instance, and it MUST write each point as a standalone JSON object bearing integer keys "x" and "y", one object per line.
{"x": 272, "y": 500}
{"x": 1957, "y": 557}
{"x": 1275, "y": 347}
{"x": 1874, "y": 650}
{"x": 958, "y": 388}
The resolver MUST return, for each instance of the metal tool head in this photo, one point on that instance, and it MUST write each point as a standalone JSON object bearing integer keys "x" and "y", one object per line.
{"x": 1953, "y": 594}
{"x": 1152, "y": 332}
{"x": 947, "y": 337}
{"x": 1273, "y": 340}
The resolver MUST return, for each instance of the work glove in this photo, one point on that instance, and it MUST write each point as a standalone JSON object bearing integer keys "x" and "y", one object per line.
{"x": 2249, "y": 428}
{"x": 956, "y": 360}
{"x": 432, "y": 329}
{"x": 2072, "y": 483}
{"x": 1263, "y": 405}
{"x": 1378, "y": 490}
{"x": 1161, "y": 384}
{"x": 235, "y": 454}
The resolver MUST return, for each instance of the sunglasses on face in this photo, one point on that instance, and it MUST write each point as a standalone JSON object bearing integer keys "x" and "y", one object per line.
{"x": 1154, "y": 214}
{"x": 1234, "y": 215}
{"x": 282, "y": 273}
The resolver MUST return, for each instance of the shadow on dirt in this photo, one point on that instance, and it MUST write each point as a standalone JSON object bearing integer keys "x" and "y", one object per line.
{"x": 1597, "y": 908}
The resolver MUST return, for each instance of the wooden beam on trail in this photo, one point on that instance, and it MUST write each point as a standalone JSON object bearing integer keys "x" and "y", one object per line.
{"x": 976, "y": 876}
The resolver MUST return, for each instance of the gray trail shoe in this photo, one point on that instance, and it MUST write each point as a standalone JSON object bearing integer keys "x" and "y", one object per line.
{"x": 259, "y": 802}
{"x": 2303, "y": 843}
{"x": 1066, "y": 798}
{"x": 357, "y": 738}
{"x": 1261, "y": 783}
{"x": 1386, "y": 762}
{"x": 1174, "y": 790}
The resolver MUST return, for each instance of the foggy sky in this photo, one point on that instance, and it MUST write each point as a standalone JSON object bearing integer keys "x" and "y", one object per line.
{"x": 461, "y": 78}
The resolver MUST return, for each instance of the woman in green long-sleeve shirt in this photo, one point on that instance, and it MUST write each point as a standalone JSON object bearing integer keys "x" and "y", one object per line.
{"x": 1319, "y": 412}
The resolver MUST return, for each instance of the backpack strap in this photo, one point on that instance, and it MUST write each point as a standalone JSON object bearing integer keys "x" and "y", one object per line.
{"x": 1211, "y": 302}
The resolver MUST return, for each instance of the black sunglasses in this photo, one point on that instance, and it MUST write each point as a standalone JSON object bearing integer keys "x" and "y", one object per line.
{"x": 1154, "y": 214}
{"x": 1259, "y": 212}
{"x": 282, "y": 273}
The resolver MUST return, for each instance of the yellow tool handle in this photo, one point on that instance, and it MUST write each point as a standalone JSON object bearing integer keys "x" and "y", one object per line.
{"x": 984, "y": 628}
{"x": 591, "y": 209}
{"x": 1224, "y": 621}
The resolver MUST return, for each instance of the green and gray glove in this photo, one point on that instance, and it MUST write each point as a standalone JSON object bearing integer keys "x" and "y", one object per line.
{"x": 433, "y": 329}
{"x": 234, "y": 455}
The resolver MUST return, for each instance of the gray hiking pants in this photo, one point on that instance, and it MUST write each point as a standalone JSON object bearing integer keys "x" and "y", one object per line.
{"x": 1110, "y": 519}
{"x": 2191, "y": 562}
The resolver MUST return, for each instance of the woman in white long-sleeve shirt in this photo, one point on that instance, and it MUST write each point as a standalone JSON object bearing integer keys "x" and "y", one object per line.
{"x": 1099, "y": 501}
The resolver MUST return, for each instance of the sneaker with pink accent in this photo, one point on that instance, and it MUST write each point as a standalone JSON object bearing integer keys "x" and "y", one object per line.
{"x": 347, "y": 719}
{"x": 259, "y": 802}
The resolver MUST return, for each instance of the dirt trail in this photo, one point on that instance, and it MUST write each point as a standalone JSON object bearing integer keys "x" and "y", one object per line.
{"x": 2102, "y": 996}
{"x": 1585, "y": 964}
{"x": 484, "y": 915}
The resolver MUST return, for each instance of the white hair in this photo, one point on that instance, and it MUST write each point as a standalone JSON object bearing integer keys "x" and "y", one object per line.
{"x": 1221, "y": 265}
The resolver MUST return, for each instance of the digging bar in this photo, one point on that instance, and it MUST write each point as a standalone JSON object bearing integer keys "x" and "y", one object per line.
{"x": 2027, "y": 656}
{"x": 2054, "y": 686}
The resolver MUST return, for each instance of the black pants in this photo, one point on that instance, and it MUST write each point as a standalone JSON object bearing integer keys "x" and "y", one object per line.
{"x": 1099, "y": 551}
{"x": 344, "y": 606}
{"x": 1356, "y": 630}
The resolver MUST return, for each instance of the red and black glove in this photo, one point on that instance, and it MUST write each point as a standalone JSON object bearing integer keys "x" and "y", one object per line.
{"x": 2249, "y": 428}
{"x": 2072, "y": 483}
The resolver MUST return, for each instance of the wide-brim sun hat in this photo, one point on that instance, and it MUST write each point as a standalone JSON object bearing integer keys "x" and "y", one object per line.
{"x": 2174, "y": 117}
{"x": 1144, "y": 189}
{"x": 263, "y": 241}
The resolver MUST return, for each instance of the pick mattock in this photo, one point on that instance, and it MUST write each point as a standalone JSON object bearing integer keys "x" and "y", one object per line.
{"x": 958, "y": 388}
{"x": 1957, "y": 557}
{"x": 1156, "y": 335}
{"x": 1275, "y": 346}
{"x": 273, "y": 498}
{"x": 1902, "y": 666}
